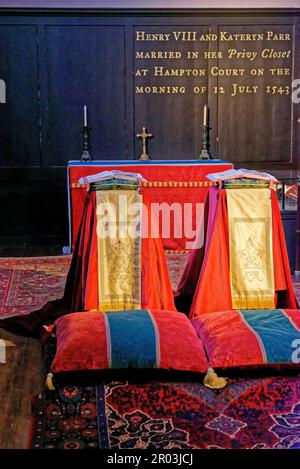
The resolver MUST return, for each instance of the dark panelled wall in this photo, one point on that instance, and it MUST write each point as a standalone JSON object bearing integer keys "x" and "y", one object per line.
{"x": 54, "y": 62}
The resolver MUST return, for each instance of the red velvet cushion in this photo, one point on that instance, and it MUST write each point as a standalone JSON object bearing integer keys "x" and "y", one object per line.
{"x": 251, "y": 338}
{"x": 127, "y": 339}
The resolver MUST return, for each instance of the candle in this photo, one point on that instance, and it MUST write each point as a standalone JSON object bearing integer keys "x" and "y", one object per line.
{"x": 205, "y": 116}
{"x": 85, "y": 116}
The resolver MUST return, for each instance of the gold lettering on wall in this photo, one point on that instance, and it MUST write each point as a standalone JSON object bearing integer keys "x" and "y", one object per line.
{"x": 185, "y": 61}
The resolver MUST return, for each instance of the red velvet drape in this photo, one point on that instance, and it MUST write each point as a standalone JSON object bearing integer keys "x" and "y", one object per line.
{"x": 212, "y": 285}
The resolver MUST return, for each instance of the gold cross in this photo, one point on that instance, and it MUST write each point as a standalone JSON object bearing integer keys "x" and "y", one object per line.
{"x": 144, "y": 136}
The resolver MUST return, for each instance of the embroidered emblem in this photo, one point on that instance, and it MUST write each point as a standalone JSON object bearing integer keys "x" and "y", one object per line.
{"x": 119, "y": 265}
{"x": 251, "y": 261}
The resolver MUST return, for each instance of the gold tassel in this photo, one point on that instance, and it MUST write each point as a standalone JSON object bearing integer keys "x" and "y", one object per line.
{"x": 212, "y": 380}
{"x": 8, "y": 343}
{"x": 49, "y": 382}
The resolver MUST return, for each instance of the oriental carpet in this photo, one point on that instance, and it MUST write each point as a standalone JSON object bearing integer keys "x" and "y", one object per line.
{"x": 261, "y": 413}
{"x": 26, "y": 284}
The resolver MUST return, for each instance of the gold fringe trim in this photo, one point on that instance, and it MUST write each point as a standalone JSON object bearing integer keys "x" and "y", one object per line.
{"x": 161, "y": 184}
{"x": 253, "y": 303}
{"x": 118, "y": 306}
{"x": 77, "y": 185}
{"x": 49, "y": 382}
{"x": 213, "y": 381}
{"x": 178, "y": 184}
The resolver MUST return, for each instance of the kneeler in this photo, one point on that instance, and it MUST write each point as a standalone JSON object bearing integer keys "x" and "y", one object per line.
{"x": 82, "y": 286}
{"x": 205, "y": 285}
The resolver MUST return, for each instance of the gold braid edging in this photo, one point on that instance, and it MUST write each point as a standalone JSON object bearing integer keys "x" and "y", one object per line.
{"x": 160, "y": 184}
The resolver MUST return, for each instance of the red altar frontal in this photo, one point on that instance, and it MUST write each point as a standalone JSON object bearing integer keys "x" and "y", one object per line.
{"x": 180, "y": 185}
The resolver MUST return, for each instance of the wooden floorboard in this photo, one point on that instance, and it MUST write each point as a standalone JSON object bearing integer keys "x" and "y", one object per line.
{"x": 21, "y": 377}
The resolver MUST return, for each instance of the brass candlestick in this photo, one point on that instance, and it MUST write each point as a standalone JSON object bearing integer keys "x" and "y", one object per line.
{"x": 86, "y": 155}
{"x": 144, "y": 136}
{"x": 205, "y": 152}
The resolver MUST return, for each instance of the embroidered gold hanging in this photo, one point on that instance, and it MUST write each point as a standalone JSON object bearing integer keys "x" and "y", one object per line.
{"x": 119, "y": 249}
{"x": 251, "y": 248}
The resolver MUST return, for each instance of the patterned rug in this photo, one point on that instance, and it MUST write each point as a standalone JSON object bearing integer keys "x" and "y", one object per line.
{"x": 255, "y": 413}
{"x": 259, "y": 413}
{"x": 27, "y": 284}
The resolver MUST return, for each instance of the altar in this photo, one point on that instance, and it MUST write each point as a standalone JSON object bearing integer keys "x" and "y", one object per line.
{"x": 175, "y": 185}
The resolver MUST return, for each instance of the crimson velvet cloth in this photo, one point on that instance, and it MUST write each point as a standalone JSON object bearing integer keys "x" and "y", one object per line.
{"x": 205, "y": 284}
{"x": 82, "y": 279}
